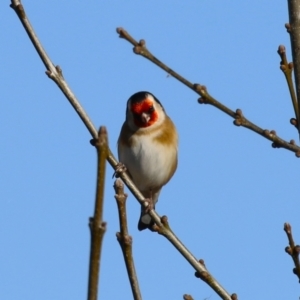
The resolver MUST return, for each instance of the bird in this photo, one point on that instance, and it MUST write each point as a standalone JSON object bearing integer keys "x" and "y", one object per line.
{"x": 148, "y": 148}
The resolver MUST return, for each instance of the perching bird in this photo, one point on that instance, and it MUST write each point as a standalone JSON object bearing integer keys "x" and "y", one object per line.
{"x": 147, "y": 146}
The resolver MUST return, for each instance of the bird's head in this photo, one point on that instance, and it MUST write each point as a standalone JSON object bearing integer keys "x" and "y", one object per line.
{"x": 144, "y": 110}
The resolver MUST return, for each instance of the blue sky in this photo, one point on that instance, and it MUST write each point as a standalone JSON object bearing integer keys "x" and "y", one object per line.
{"x": 232, "y": 191}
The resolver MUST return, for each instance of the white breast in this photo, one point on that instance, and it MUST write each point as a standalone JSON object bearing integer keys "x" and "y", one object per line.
{"x": 148, "y": 162}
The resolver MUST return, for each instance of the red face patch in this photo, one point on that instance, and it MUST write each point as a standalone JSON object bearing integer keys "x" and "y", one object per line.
{"x": 144, "y": 107}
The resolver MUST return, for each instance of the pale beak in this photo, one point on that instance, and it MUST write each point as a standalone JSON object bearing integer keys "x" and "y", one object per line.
{"x": 145, "y": 118}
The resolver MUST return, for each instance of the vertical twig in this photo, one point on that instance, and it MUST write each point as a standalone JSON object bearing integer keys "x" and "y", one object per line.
{"x": 287, "y": 69}
{"x": 55, "y": 73}
{"x": 293, "y": 250}
{"x": 125, "y": 240}
{"x": 294, "y": 30}
{"x": 97, "y": 226}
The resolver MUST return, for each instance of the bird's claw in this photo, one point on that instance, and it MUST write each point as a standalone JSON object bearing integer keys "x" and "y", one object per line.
{"x": 121, "y": 168}
{"x": 150, "y": 205}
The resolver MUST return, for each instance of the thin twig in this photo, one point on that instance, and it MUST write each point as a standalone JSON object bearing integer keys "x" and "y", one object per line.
{"x": 53, "y": 72}
{"x": 205, "y": 98}
{"x": 293, "y": 250}
{"x": 125, "y": 240}
{"x": 56, "y": 74}
{"x": 165, "y": 230}
{"x": 287, "y": 69}
{"x": 97, "y": 226}
{"x": 162, "y": 227}
{"x": 294, "y": 30}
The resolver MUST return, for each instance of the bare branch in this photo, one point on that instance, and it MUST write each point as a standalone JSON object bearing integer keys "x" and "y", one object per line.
{"x": 287, "y": 69}
{"x": 294, "y": 30}
{"x": 125, "y": 240}
{"x": 55, "y": 74}
{"x": 162, "y": 227}
{"x": 206, "y": 98}
{"x": 97, "y": 226}
{"x": 293, "y": 250}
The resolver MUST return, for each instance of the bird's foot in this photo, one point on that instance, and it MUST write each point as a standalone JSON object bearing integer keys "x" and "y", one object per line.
{"x": 150, "y": 205}
{"x": 121, "y": 168}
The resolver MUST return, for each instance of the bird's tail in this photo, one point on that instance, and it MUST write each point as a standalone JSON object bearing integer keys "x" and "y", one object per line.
{"x": 145, "y": 221}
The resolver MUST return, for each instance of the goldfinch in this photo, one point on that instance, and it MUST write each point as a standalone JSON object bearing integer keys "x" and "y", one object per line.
{"x": 147, "y": 146}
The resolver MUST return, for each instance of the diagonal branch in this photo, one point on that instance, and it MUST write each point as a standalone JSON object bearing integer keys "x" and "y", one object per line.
{"x": 125, "y": 240}
{"x": 205, "y": 98}
{"x": 55, "y": 74}
{"x": 97, "y": 226}
{"x": 163, "y": 228}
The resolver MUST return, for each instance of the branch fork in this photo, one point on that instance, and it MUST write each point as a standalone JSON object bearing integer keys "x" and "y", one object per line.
{"x": 206, "y": 98}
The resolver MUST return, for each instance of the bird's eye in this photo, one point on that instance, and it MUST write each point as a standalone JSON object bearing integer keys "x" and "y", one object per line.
{"x": 151, "y": 110}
